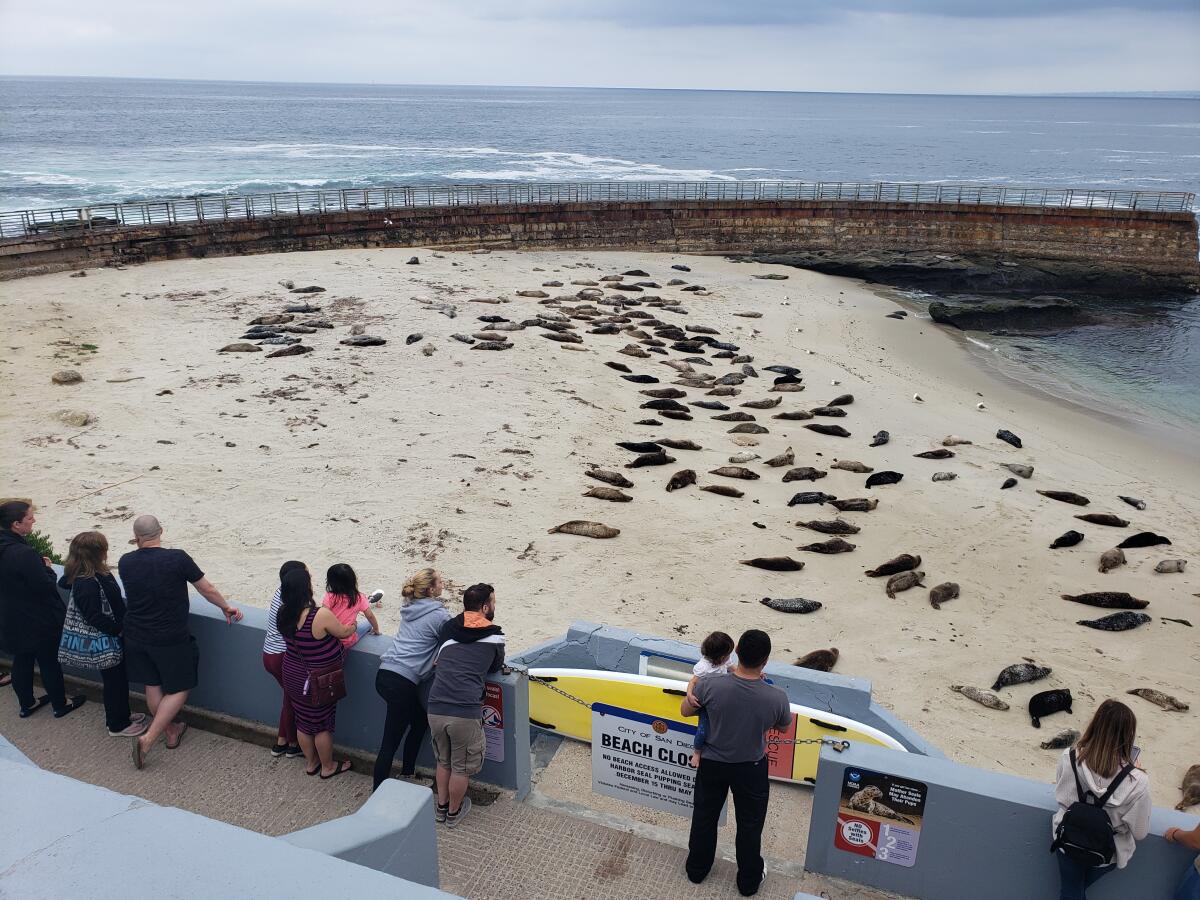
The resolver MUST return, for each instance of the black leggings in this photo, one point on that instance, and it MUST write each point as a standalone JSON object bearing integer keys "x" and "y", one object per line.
{"x": 116, "y": 697}
{"x": 404, "y": 713}
{"x": 46, "y": 657}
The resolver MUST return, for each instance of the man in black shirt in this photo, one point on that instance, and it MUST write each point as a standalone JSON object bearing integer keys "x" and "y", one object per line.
{"x": 741, "y": 707}
{"x": 159, "y": 650}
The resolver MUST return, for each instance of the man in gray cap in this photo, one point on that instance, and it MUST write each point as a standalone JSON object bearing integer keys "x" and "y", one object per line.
{"x": 159, "y": 650}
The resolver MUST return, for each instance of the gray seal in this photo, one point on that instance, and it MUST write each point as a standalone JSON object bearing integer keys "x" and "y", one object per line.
{"x": 1021, "y": 673}
{"x": 1121, "y": 621}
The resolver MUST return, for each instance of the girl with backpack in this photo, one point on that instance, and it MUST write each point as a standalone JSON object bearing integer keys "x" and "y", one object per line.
{"x": 1103, "y": 801}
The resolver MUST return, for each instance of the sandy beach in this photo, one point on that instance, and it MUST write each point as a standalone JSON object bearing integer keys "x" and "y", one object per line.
{"x": 395, "y": 457}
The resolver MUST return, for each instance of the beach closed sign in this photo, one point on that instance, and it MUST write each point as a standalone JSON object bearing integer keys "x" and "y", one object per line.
{"x": 880, "y": 815}
{"x": 643, "y": 759}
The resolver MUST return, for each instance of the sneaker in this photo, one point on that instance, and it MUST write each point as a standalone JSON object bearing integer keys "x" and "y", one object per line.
{"x": 754, "y": 890}
{"x": 278, "y": 750}
{"x": 133, "y": 729}
{"x": 376, "y": 598}
{"x": 440, "y": 812}
{"x": 293, "y": 751}
{"x": 453, "y": 819}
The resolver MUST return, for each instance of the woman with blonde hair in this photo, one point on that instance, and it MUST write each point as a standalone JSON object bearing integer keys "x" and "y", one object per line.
{"x": 1099, "y": 774}
{"x": 97, "y": 599}
{"x": 406, "y": 669}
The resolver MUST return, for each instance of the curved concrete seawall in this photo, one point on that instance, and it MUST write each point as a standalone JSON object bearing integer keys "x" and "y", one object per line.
{"x": 1038, "y": 247}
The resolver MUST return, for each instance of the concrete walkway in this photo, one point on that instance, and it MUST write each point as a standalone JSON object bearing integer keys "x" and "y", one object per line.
{"x": 502, "y": 850}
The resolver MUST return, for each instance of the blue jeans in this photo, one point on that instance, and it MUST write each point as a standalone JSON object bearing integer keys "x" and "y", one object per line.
{"x": 1189, "y": 885}
{"x": 1075, "y": 879}
{"x": 701, "y": 731}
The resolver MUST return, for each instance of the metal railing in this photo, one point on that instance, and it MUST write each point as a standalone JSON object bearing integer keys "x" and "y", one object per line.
{"x": 142, "y": 213}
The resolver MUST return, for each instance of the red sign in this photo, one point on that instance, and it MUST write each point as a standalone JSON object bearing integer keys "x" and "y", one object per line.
{"x": 857, "y": 835}
{"x": 493, "y": 722}
{"x": 780, "y": 757}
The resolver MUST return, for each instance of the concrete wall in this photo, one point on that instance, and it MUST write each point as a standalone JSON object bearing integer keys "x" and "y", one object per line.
{"x": 392, "y": 832}
{"x": 984, "y": 835}
{"x": 1123, "y": 244}
{"x": 591, "y": 646}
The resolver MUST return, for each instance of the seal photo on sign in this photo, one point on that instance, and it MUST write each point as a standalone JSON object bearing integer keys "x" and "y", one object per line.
{"x": 867, "y": 801}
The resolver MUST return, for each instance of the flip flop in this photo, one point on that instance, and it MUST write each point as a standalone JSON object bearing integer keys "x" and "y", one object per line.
{"x": 179, "y": 740}
{"x": 139, "y": 756}
{"x": 27, "y": 711}
{"x": 5, "y": 679}
{"x": 73, "y": 704}
{"x": 344, "y": 766}
{"x": 312, "y": 772}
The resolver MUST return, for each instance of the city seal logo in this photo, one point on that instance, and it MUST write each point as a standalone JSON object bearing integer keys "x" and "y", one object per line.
{"x": 659, "y": 726}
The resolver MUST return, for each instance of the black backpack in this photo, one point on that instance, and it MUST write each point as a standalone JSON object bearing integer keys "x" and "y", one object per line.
{"x": 1085, "y": 833}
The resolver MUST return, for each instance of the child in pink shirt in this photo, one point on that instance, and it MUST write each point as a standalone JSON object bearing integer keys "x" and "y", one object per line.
{"x": 346, "y": 603}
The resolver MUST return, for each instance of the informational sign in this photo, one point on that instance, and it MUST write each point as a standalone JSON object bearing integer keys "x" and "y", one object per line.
{"x": 643, "y": 759}
{"x": 880, "y": 816}
{"x": 493, "y": 722}
{"x": 781, "y": 757}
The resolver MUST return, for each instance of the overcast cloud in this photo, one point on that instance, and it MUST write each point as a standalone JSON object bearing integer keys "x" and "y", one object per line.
{"x": 927, "y": 46}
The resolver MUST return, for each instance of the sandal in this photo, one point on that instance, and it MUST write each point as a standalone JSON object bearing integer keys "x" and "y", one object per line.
{"x": 179, "y": 740}
{"x": 5, "y": 679}
{"x": 311, "y": 772}
{"x": 344, "y": 766}
{"x": 27, "y": 711}
{"x": 139, "y": 755}
{"x": 73, "y": 704}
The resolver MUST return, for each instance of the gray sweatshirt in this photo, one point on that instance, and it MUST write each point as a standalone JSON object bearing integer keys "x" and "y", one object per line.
{"x": 466, "y": 656}
{"x": 1128, "y": 809}
{"x": 416, "y": 640}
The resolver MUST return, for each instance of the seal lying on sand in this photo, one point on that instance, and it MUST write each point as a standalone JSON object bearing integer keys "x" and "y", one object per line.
{"x": 1021, "y": 673}
{"x": 834, "y": 526}
{"x": 1143, "y": 539}
{"x": 640, "y": 446}
{"x": 1046, "y": 703}
{"x": 1061, "y": 741}
{"x": 1158, "y": 698}
{"x": 1133, "y": 501}
{"x": 583, "y": 528}
{"x": 1066, "y": 497}
{"x": 791, "y": 605}
{"x": 1190, "y": 788}
{"x": 853, "y": 504}
{"x": 833, "y": 545}
{"x": 735, "y": 472}
{"x": 1111, "y": 559}
{"x": 901, "y": 563}
{"x": 1018, "y": 469}
{"x": 803, "y": 473}
{"x": 867, "y": 801}
{"x": 651, "y": 459}
{"x": 852, "y": 465}
{"x": 940, "y": 453}
{"x": 948, "y": 590}
{"x": 1122, "y": 621}
{"x": 986, "y": 698}
{"x": 723, "y": 490}
{"x": 681, "y": 479}
{"x": 1104, "y": 519}
{"x": 1108, "y": 600}
{"x": 786, "y": 458}
{"x": 1009, "y": 438}
{"x": 1069, "y": 539}
{"x": 902, "y": 581}
{"x": 794, "y": 415}
{"x": 608, "y": 493}
{"x": 811, "y": 497}
{"x": 881, "y": 438}
{"x": 1170, "y": 566}
{"x": 774, "y": 563}
{"x": 820, "y": 660}
{"x": 616, "y": 479}
{"x": 831, "y": 430}
{"x": 674, "y": 444}
{"x": 885, "y": 477}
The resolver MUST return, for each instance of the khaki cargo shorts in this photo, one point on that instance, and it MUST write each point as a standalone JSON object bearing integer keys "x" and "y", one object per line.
{"x": 457, "y": 743}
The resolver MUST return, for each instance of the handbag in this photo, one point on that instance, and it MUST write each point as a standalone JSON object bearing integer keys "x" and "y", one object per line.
{"x": 326, "y": 685}
{"x": 84, "y": 646}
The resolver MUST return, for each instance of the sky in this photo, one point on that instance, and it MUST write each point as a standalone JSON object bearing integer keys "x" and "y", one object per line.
{"x": 906, "y": 46}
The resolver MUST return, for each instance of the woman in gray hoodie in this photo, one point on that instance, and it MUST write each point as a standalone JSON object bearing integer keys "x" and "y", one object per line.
{"x": 403, "y": 669}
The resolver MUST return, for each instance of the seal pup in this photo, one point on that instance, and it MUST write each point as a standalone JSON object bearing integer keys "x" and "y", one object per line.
{"x": 616, "y": 479}
{"x": 841, "y": 400}
{"x": 786, "y": 458}
{"x": 811, "y": 497}
{"x": 1067, "y": 539}
{"x": 902, "y": 563}
{"x": 944, "y": 476}
{"x": 853, "y": 504}
{"x": 791, "y": 604}
{"x": 584, "y": 528}
{"x": 1061, "y": 741}
{"x": 1009, "y": 438}
{"x": 675, "y": 414}
{"x": 664, "y": 404}
{"x": 1111, "y": 559}
{"x": 675, "y": 444}
{"x": 1107, "y": 600}
{"x": 1133, "y": 501}
{"x": 830, "y": 412}
{"x": 985, "y": 698}
{"x": 1122, "y": 621}
{"x": 743, "y": 457}
{"x": 715, "y": 405}
{"x": 940, "y": 453}
{"x": 773, "y": 563}
{"x": 1066, "y": 497}
{"x": 1190, "y": 788}
{"x": 651, "y": 459}
{"x": 793, "y": 416}
{"x": 735, "y": 472}
{"x": 803, "y": 473}
{"x": 640, "y": 446}
{"x": 734, "y": 417}
{"x": 1047, "y": 703}
{"x": 608, "y": 493}
{"x": 1018, "y": 469}
{"x": 885, "y": 477}
{"x": 1020, "y": 673}
{"x": 1143, "y": 539}
{"x": 1008, "y": 483}
{"x": 881, "y": 438}
{"x": 667, "y": 393}
{"x": 902, "y": 581}
{"x": 782, "y": 370}
{"x": 1170, "y": 566}
{"x": 836, "y": 526}
{"x": 647, "y": 422}
{"x": 819, "y": 660}
{"x": 641, "y": 379}
{"x": 953, "y": 440}
{"x": 831, "y": 430}
{"x": 681, "y": 479}
{"x": 1104, "y": 519}
{"x": 867, "y": 801}
{"x": 761, "y": 404}
{"x": 852, "y": 465}
{"x": 833, "y": 545}
{"x": 747, "y": 428}
{"x": 1158, "y": 698}
{"x": 947, "y": 590}
{"x": 723, "y": 490}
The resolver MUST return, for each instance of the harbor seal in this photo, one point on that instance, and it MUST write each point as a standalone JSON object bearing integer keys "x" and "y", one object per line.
{"x": 1122, "y": 621}
{"x": 1104, "y": 519}
{"x": 650, "y": 459}
{"x": 1143, "y": 539}
{"x": 947, "y": 590}
{"x": 829, "y": 412}
{"x": 1158, "y": 698}
{"x": 791, "y": 605}
{"x": 782, "y": 369}
{"x": 852, "y": 465}
{"x": 1170, "y": 566}
{"x": 1008, "y": 483}
{"x": 885, "y": 477}
{"x": 584, "y": 528}
{"x": 675, "y": 444}
{"x": 616, "y": 479}
{"x": 841, "y": 400}
{"x": 744, "y": 457}
{"x": 681, "y": 479}
{"x": 803, "y": 473}
{"x": 608, "y": 493}
{"x": 747, "y": 428}
{"x": 653, "y": 422}
{"x": 1009, "y": 438}
{"x": 902, "y": 563}
{"x": 1190, "y": 788}
{"x": 667, "y": 393}
{"x": 985, "y": 698}
{"x": 902, "y": 581}
{"x": 1061, "y": 741}
{"x": 1068, "y": 539}
{"x": 831, "y": 430}
{"x": 1047, "y": 703}
{"x": 641, "y": 379}
{"x": 1111, "y": 559}
{"x": 1108, "y": 600}
{"x": 723, "y": 490}
{"x": 735, "y": 472}
{"x": 881, "y": 438}
{"x": 660, "y": 405}
{"x": 944, "y": 476}
{"x": 786, "y": 458}
{"x": 715, "y": 405}
{"x": 833, "y": 545}
{"x": 1018, "y": 469}
{"x": 1133, "y": 501}
{"x": 773, "y": 563}
{"x": 867, "y": 801}
{"x": 734, "y": 417}
{"x": 1066, "y": 497}
{"x": 853, "y": 504}
{"x": 818, "y": 660}
{"x": 1020, "y": 673}
{"x": 761, "y": 404}
{"x": 794, "y": 416}
{"x": 835, "y": 526}
{"x": 675, "y": 414}
{"x": 640, "y": 446}
{"x": 953, "y": 440}
{"x": 940, "y": 453}
{"x": 811, "y": 497}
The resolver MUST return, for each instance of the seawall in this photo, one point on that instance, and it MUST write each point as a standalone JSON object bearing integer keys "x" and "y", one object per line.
{"x": 1043, "y": 248}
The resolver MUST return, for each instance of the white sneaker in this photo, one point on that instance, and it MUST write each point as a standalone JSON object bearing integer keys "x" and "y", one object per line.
{"x": 375, "y": 598}
{"x": 453, "y": 819}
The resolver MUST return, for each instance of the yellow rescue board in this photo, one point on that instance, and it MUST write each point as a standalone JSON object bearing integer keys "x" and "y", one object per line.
{"x": 660, "y": 697}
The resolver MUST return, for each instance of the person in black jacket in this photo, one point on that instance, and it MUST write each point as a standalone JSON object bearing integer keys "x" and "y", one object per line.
{"x": 87, "y": 576}
{"x": 31, "y": 614}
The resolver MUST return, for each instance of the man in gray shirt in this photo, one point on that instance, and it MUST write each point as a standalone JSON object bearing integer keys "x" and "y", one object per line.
{"x": 742, "y": 708}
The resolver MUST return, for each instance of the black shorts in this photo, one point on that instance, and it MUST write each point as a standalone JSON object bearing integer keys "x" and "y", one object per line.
{"x": 174, "y": 668}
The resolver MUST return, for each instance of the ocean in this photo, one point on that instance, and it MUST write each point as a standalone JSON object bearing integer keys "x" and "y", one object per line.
{"x": 68, "y": 141}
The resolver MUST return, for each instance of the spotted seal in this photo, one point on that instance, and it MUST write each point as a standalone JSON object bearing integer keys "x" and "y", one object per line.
{"x": 852, "y": 465}
{"x": 867, "y": 801}
{"x": 1158, "y": 698}
{"x": 1104, "y": 519}
{"x": 1066, "y": 497}
{"x": 786, "y": 458}
{"x": 1170, "y": 566}
{"x": 819, "y": 660}
{"x": 1020, "y": 673}
{"x": 835, "y": 526}
{"x": 830, "y": 430}
{"x": 584, "y": 528}
{"x": 939, "y": 453}
{"x": 803, "y": 473}
{"x": 985, "y": 698}
{"x": 1121, "y": 621}
{"x": 791, "y": 604}
{"x": 616, "y": 479}
{"x": 651, "y": 459}
{"x": 886, "y": 477}
{"x": 902, "y": 581}
{"x": 681, "y": 479}
{"x": 1190, "y": 788}
{"x": 1061, "y": 741}
{"x": 1143, "y": 539}
{"x": 811, "y": 497}
{"x": 1108, "y": 600}
{"x": 902, "y": 563}
{"x": 735, "y": 472}
{"x": 947, "y": 590}
{"x": 853, "y": 504}
{"x": 608, "y": 493}
{"x": 1111, "y": 559}
{"x": 833, "y": 545}
{"x": 723, "y": 490}
{"x": 1047, "y": 703}
{"x": 640, "y": 446}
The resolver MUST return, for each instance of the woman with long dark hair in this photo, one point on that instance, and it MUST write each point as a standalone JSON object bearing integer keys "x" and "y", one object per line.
{"x": 274, "y": 647}
{"x": 1103, "y": 758}
{"x": 314, "y": 644}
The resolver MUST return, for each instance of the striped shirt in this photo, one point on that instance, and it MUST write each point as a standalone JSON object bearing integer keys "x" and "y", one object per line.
{"x": 274, "y": 642}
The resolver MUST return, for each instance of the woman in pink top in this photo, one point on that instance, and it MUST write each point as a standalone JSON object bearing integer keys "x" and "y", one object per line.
{"x": 345, "y": 602}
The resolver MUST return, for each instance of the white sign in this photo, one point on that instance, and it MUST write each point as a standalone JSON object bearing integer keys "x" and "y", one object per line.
{"x": 643, "y": 759}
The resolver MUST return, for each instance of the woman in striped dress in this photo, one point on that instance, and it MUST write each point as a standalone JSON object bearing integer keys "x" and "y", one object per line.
{"x": 313, "y": 637}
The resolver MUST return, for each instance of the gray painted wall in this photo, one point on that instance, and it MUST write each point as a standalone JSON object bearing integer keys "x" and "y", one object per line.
{"x": 984, "y": 835}
{"x": 591, "y": 646}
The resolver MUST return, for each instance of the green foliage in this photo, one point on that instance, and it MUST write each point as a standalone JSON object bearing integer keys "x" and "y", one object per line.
{"x": 44, "y": 546}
